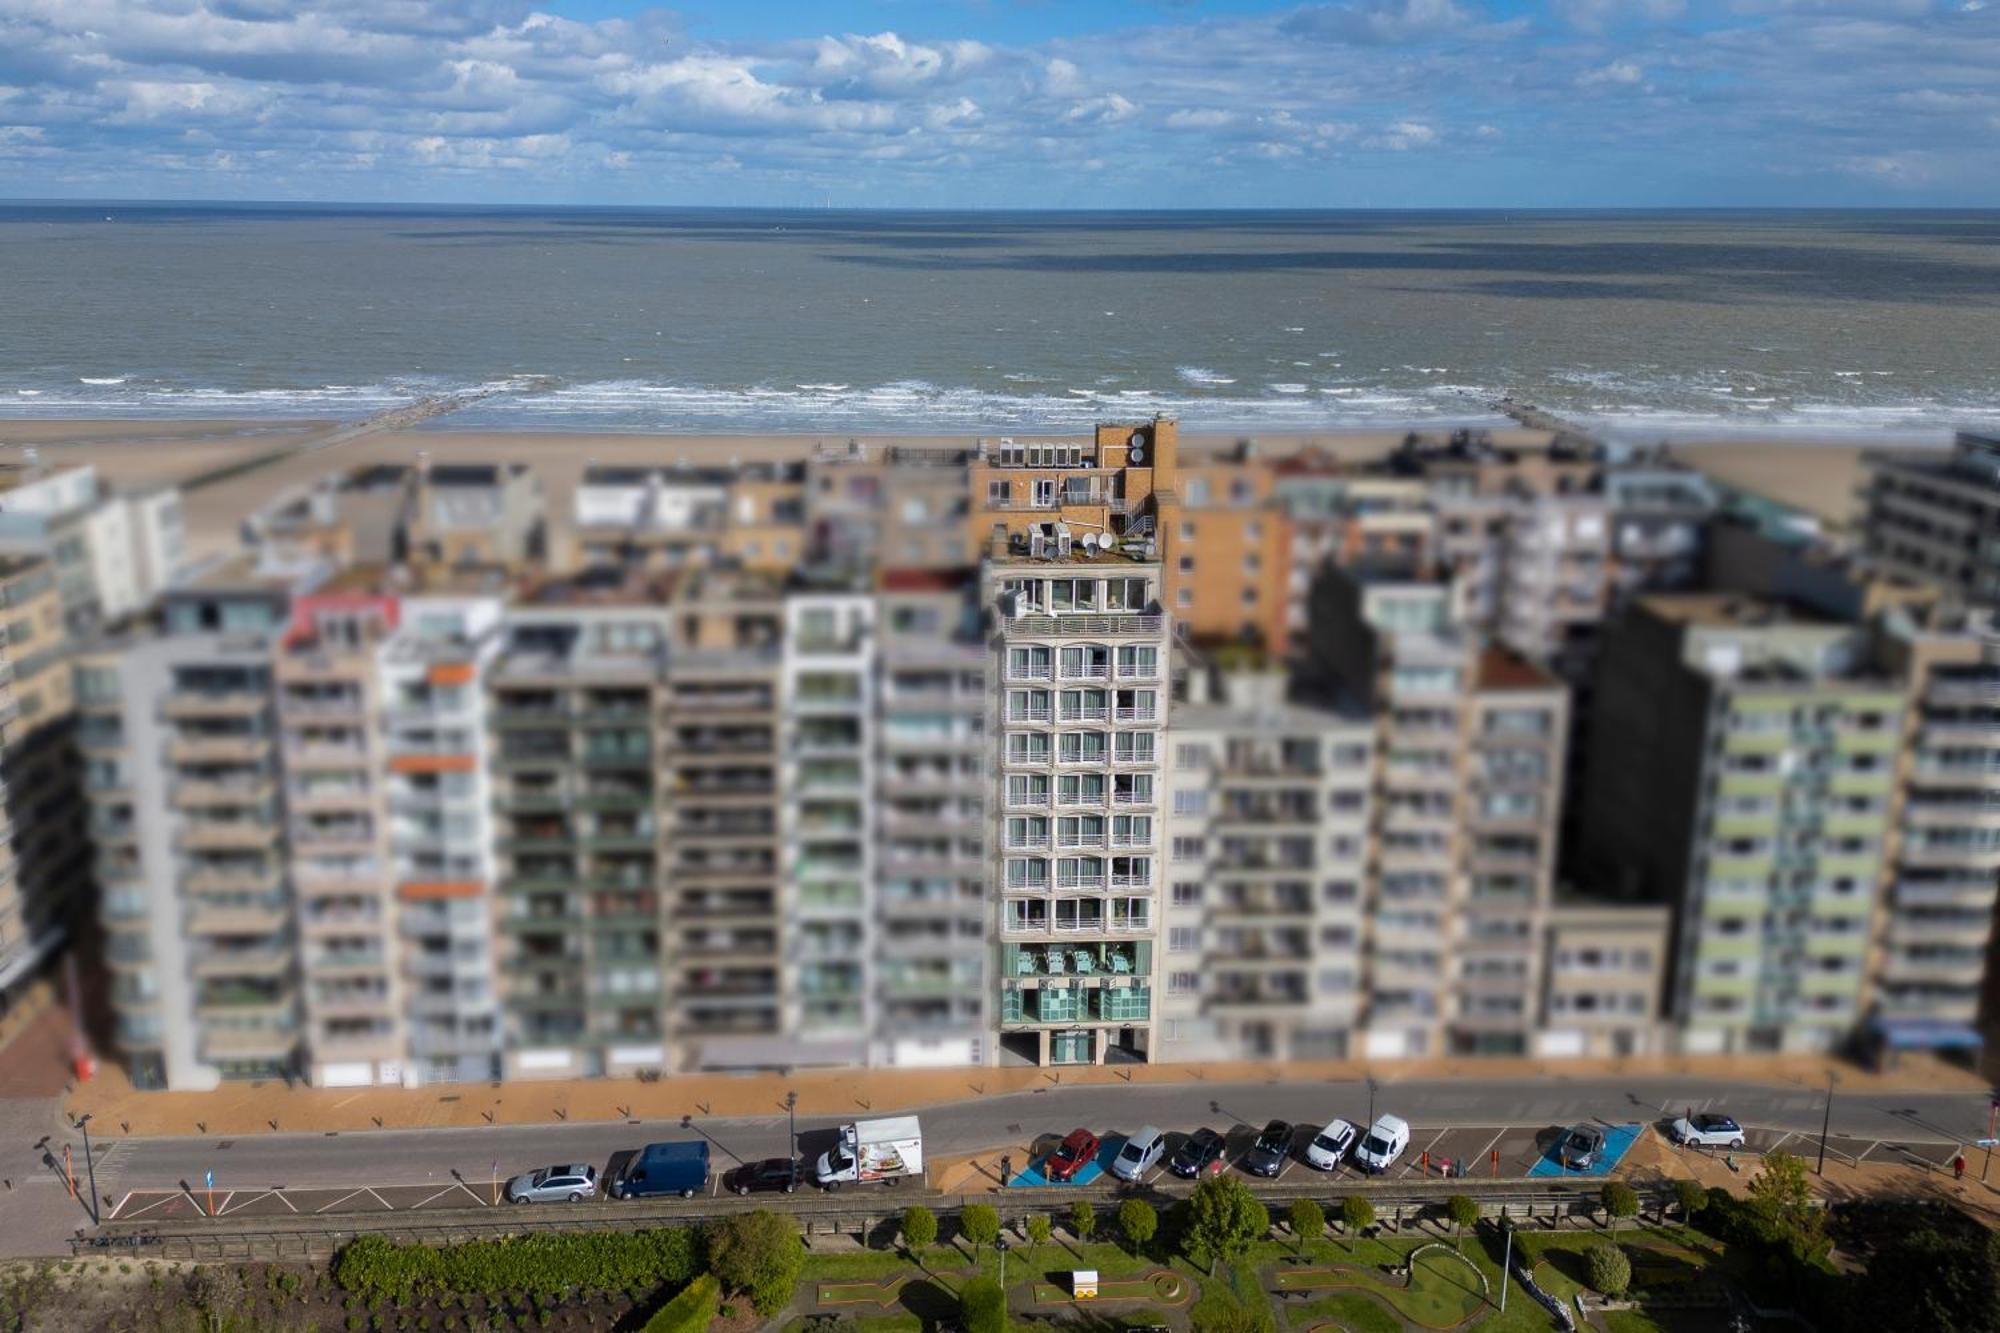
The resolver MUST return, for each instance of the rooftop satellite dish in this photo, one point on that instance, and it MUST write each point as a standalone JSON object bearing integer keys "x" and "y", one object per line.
{"x": 1138, "y": 439}
{"x": 1137, "y": 454}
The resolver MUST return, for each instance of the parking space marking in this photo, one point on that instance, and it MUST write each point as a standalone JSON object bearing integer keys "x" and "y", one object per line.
{"x": 350, "y": 1194}
{"x": 455, "y": 1185}
{"x": 1485, "y": 1158}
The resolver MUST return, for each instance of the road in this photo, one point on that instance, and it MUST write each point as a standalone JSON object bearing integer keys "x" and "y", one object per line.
{"x": 435, "y": 1155}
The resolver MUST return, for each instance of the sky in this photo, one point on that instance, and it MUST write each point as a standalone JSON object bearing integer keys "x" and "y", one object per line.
{"x": 1133, "y": 104}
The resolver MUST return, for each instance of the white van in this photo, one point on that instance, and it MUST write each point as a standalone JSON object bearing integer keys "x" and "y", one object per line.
{"x": 1141, "y": 1153}
{"x": 1382, "y": 1144}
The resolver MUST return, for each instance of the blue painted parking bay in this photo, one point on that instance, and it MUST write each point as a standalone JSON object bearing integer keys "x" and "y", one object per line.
{"x": 1618, "y": 1140}
{"x": 1107, "y": 1153}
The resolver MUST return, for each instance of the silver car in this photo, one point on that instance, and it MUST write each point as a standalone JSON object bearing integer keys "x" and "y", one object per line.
{"x": 554, "y": 1184}
{"x": 1141, "y": 1153}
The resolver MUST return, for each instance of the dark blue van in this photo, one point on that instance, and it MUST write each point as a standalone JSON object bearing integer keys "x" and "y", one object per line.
{"x": 660, "y": 1169}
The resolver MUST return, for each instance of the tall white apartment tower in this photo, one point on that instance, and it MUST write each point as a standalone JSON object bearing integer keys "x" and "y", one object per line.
{"x": 1080, "y": 722}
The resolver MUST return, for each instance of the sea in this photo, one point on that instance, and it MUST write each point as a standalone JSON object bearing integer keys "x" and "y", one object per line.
{"x": 1669, "y": 324}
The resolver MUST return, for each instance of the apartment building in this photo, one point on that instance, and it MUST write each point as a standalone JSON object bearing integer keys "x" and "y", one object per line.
{"x": 44, "y": 857}
{"x": 1606, "y": 966}
{"x": 934, "y": 910}
{"x": 1265, "y": 923}
{"x": 1935, "y": 517}
{"x": 1743, "y": 772}
{"x": 461, "y": 515}
{"x": 180, "y": 739}
{"x": 1229, "y": 554}
{"x": 1080, "y": 644}
{"x": 1118, "y": 485}
{"x": 113, "y": 554}
{"x": 1934, "y": 929}
{"x": 1469, "y": 746}
{"x": 575, "y": 697}
{"x": 672, "y": 517}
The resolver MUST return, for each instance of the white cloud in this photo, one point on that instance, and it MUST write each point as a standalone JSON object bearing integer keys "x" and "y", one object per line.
{"x": 1403, "y": 136}
{"x": 1619, "y": 73}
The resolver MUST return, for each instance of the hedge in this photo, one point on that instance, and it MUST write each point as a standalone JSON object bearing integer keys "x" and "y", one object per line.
{"x": 690, "y": 1312}
{"x": 547, "y": 1264}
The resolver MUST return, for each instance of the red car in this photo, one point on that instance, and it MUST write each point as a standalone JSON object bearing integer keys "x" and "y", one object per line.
{"x": 1071, "y": 1155}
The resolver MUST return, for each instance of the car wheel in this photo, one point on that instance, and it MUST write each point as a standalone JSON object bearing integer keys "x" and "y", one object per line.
{"x": 789, "y": 1187}
{"x": 742, "y": 1191}
{"x": 687, "y": 1194}
{"x": 516, "y": 1198}
{"x": 832, "y": 1187}
{"x": 1736, "y": 1144}
{"x": 575, "y": 1197}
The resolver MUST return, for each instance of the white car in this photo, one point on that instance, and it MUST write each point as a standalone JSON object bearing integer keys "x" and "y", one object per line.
{"x": 1331, "y": 1145}
{"x": 1707, "y": 1130}
{"x": 1141, "y": 1153}
{"x": 1383, "y": 1144}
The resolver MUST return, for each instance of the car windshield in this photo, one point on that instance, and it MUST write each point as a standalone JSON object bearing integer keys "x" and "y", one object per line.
{"x": 1326, "y": 1141}
{"x": 841, "y": 1162}
{"x": 1134, "y": 1150}
{"x": 539, "y": 1176}
{"x": 1067, "y": 1152}
{"x": 1271, "y": 1140}
{"x": 1376, "y": 1144}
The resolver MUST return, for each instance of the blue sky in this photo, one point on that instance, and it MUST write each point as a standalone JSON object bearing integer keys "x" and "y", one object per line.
{"x": 1007, "y": 103}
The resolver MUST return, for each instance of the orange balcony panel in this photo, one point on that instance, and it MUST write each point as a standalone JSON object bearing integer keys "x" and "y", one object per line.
{"x": 431, "y": 763}
{"x": 431, "y": 890}
{"x": 451, "y": 673}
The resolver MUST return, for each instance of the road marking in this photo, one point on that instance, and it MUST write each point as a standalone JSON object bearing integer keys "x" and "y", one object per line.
{"x": 1485, "y": 1156}
{"x": 350, "y": 1194}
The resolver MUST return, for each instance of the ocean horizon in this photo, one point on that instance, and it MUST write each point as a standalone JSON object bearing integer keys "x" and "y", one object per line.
{"x": 1675, "y": 323}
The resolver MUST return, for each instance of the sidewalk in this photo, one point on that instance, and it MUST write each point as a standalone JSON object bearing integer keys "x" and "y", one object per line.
{"x": 269, "y": 1107}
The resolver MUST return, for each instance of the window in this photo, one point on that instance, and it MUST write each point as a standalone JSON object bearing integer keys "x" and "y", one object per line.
{"x": 1187, "y": 893}
{"x": 1191, "y": 802}
{"x": 1031, "y": 789}
{"x": 999, "y": 494}
{"x": 1189, "y": 755}
{"x": 1184, "y": 598}
{"x": 1081, "y": 789}
{"x": 1187, "y": 564}
{"x": 1187, "y": 531}
{"x": 1027, "y": 748}
{"x": 1085, "y": 747}
{"x": 1129, "y": 747}
{"x": 1183, "y": 983}
{"x": 1025, "y": 872}
{"x": 1183, "y": 939}
{"x": 915, "y": 510}
{"x": 1190, "y": 849}
{"x": 1195, "y": 491}
{"x": 1029, "y": 663}
{"x": 1141, "y": 660}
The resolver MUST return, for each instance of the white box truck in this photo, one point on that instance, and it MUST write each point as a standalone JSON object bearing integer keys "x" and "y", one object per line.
{"x": 871, "y": 1151}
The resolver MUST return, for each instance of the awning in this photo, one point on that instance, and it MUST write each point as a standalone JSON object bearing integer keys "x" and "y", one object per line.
{"x": 1924, "y": 1034}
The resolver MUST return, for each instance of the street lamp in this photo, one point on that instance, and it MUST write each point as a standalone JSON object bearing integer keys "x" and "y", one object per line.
{"x": 1826, "y": 1122}
{"x": 90, "y": 1166}
{"x": 1372, "y": 1085}
{"x": 1000, "y": 1244}
{"x": 792, "y": 1115}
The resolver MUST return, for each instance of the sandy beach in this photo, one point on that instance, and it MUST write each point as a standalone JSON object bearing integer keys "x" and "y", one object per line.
{"x": 1816, "y": 476}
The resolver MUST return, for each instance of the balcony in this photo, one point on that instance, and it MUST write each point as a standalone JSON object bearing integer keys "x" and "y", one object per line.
{"x": 1086, "y": 625}
{"x": 1075, "y": 960}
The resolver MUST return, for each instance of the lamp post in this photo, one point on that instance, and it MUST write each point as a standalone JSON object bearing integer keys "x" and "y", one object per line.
{"x": 1826, "y": 1122}
{"x": 1371, "y": 1100}
{"x": 792, "y": 1117}
{"x": 90, "y": 1167}
{"x": 1507, "y": 1261}
{"x": 1000, "y": 1244}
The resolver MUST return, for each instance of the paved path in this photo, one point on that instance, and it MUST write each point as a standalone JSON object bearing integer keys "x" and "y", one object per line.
{"x": 1447, "y": 1113}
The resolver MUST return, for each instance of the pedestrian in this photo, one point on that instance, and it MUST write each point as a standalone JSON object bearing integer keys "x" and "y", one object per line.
{"x": 1958, "y": 1167}
{"x": 1006, "y": 1170}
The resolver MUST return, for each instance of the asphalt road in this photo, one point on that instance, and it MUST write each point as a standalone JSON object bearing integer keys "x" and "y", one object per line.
{"x": 36, "y": 1211}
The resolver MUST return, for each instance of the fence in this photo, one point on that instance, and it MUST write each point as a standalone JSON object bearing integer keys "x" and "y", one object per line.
{"x": 1398, "y": 1205}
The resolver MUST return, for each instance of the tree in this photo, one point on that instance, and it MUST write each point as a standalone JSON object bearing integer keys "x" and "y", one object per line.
{"x": 979, "y": 1224}
{"x": 1138, "y": 1222}
{"x": 1610, "y": 1271}
{"x": 1464, "y": 1212}
{"x": 982, "y": 1306}
{"x": 1691, "y": 1197}
{"x": 1924, "y": 1277}
{"x": 757, "y": 1254}
{"x": 1223, "y": 1218}
{"x": 1039, "y": 1229}
{"x": 919, "y": 1229}
{"x": 1082, "y": 1219}
{"x": 1356, "y": 1216}
{"x": 1307, "y": 1222}
{"x": 1620, "y": 1201}
{"x": 1782, "y": 1196}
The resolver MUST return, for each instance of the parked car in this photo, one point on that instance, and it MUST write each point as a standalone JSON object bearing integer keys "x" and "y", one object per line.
{"x": 1579, "y": 1146}
{"x": 1382, "y": 1144}
{"x": 1201, "y": 1155}
{"x": 1141, "y": 1153}
{"x": 1267, "y": 1155}
{"x": 773, "y": 1173}
{"x": 554, "y": 1184}
{"x": 1331, "y": 1145}
{"x": 1072, "y": 1155}
{"x": 660, "y": 1169}
{"x": 1707, "y": 1130}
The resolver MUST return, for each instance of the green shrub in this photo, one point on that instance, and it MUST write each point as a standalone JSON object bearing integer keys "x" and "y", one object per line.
{"x": 1139, "y": 1222}
{"x": 979, "y": 1223}
{"x": 690, "y": 1312}
{"x": 1620, "y": 1201}
{"x": 545, "y": 1264}
{"x": 982, "y": 1306}
{"x": 1610, "y": 1271}
{"x": 1082, "y": 1219}
{"x": 1691, "y": 1197}
{"x": 1307, "y": 1220}
{"x": 1039, "y": 1228}
{"x": 759, "y": 1255}
{"x": 919, "y": 1228}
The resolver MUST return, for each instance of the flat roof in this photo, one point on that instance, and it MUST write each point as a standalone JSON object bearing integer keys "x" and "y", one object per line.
{"x": 1282, "y": 719}
{"x": 1730, "y": 609}
{"x": 1502, "y": 668}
